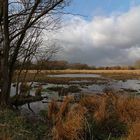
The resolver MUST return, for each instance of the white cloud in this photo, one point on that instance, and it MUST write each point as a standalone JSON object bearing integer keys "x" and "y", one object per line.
{"x": 102, "y": 41}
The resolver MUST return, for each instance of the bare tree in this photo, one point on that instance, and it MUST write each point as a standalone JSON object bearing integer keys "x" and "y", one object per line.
{"x": 35, "y": 53}
{"x": 17, "y": 19}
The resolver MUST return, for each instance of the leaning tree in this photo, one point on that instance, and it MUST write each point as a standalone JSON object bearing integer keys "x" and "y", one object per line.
{"x": 19, "y": 20}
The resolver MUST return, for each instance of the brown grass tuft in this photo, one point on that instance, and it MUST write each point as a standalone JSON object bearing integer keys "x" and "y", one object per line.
{"x": 129, "y": 109}
{"x": 90, "y": 103}
{"x": 64, "y": 108}
{"x": 71, "y": 119}
{"x": 52, "y": 110}
{"x": 71, "y": 128}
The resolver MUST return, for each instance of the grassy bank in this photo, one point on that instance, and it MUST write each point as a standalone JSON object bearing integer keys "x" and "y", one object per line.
{"x": 14, "y": 126}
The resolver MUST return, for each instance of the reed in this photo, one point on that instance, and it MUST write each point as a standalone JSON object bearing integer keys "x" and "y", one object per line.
{"x": 109, "y": 115}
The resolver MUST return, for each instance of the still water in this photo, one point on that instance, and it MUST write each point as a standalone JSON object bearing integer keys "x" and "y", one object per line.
{"x": 131, "y": 86}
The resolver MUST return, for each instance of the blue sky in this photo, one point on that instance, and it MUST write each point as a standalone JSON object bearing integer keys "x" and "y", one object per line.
{"x": 107, "y": 34}
{"x": 90, "y": 8}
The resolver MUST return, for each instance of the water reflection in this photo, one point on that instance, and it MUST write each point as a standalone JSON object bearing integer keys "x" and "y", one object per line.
{"x": 131, "y": 86}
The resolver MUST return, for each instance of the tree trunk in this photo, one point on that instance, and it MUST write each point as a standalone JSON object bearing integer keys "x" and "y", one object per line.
{"x": 6, "y": 81}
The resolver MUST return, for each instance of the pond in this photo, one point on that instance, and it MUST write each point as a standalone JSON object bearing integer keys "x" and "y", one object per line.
{"x": 130, "y": 86}
{"x": 75, "y": 88}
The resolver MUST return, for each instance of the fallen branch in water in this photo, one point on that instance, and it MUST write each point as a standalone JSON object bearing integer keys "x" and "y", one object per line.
{"x": 21, "y": 100}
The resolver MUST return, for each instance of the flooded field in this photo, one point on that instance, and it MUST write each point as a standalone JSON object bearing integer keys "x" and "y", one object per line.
{"x": 78, "y": 88}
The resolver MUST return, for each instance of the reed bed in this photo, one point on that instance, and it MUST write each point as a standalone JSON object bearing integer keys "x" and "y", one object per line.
{"x": 110, "y": 115}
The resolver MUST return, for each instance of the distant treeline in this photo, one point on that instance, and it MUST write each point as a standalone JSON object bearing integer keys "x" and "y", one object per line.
{"x": 62, "y": 65}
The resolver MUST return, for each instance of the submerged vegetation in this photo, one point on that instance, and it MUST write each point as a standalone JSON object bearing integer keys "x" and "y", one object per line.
{"x": 64, "y": 90}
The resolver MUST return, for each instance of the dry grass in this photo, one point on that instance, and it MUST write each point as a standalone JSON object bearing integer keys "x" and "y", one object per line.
{"x": 52, "y": 110}
{"x": 71, "y": 127}
{"x": 127, "y": 110}
{"x": 71, "y": 119}
{"x": 68, "y": 71}
{"x": 13, "y": 126}
{"x": 135, "y": 132}
{"x": 113, "y": 74}
{"x": 68, "y": 120}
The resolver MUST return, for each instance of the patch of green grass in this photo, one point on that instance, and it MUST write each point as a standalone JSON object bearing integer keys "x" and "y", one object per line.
{"x": 13, "y": 126}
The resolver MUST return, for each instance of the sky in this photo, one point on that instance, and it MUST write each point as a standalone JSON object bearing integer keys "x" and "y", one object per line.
{"x": 100, "y": 32}
{"x": 91, "y": 8}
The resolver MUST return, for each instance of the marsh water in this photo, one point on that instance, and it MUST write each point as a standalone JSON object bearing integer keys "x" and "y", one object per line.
{"x": 84, "y": 86}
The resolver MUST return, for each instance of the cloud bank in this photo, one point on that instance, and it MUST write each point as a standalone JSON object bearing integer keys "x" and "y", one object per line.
{"x": 112, "y": 40}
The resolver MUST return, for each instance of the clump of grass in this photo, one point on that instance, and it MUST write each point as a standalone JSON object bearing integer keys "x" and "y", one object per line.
{"x": 95, "y": 117}
{"x": 103, "y": 120}
{"x": 68, "y": 120}
{"x": 71, "y": 126}
{"x": 128, "y": 109}
{"x": 90, "y": 103}
{"x": 56, "y": 112}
